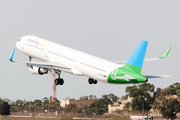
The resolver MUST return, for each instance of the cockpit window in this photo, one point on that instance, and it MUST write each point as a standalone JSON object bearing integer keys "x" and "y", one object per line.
{"x": 19, "y": 40}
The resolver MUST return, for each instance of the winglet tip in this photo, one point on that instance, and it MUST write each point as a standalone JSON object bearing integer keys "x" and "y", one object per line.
{"x": 12, "y": 55}
{"x": 166, "y": 54}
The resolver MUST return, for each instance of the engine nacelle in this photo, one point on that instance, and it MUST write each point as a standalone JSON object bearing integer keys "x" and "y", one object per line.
{"x": 38, "y": 70}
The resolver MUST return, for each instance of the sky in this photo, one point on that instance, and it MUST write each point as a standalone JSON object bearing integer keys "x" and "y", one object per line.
{"x": 111, "y": 29}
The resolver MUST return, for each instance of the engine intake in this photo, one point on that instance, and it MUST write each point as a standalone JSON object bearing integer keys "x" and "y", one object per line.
{"x": 38, "y": 70}
{"x": 42, "y": 71}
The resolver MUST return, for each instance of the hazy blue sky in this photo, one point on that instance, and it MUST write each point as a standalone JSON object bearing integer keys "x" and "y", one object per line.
{"x": 110, "y": 29}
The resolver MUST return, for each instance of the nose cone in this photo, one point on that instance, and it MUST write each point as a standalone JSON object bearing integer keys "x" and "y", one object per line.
{"x": 146, "y": 80}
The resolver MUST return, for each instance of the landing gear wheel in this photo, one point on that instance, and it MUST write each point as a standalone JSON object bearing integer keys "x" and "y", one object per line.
{"x": 56, "y": 81}
{"x": 95, "y": 81}
{"x": 61, "y": 81}
{"x": 92, "y": 81}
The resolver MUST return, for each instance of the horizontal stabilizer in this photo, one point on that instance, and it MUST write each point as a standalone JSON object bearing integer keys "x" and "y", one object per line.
{"x": 156, "y": 76}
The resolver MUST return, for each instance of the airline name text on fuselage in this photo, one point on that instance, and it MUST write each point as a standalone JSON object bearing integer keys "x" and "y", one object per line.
{"x": 37, "y": 43}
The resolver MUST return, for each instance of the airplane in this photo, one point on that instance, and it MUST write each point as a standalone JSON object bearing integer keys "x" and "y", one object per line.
{"x": 63, "y": 59}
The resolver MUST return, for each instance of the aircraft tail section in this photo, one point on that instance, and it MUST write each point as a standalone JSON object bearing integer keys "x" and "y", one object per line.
{"x": 136, "y": 60}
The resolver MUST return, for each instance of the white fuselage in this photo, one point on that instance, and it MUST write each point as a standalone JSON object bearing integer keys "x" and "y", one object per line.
{"x": 80, "y": 63}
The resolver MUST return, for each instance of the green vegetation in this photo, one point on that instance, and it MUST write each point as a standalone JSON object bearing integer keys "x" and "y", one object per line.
{"x": 65, "y": 117}
{"x": 37, "y": 106}
{"x": 115, "y": 117}
{"x": 144, "y": 97}
{"x": 98, "y": 107}
{"x": 88, "y": 97}
{"x": 4, "y": 109}
{"x": 168, "y": 101}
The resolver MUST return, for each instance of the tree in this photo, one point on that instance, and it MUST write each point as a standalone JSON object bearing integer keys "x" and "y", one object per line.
{"x": 83, "y": 98}
{"x": 168, "y": 107}
{"x": 139, "y": 103}
{"x": 4, "y": 109}
{"x": 50, "y": 99}
{"x": 92, "y": 97}
{"x": 19, "y": 103}
{"x": 110, "y": 99}
{"x": 156, "y": 93}
{"x": 70, "y": 108}
{"x": 168, "y": 101}
{"x": 7, "y": 100}
{"x": 100, "y": 106}
{"x": 142, "y": 99}
{"x": 45, "y": 100}
{"x": 37, "y": 101}
{"x": 127, "y": 106}
{"x": 1, "y": 101}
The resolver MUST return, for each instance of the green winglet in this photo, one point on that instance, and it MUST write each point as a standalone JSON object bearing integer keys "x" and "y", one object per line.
{"x": 166, "y": 54}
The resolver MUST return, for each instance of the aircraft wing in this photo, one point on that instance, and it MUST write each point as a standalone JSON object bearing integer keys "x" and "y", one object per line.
{"x": 149, "y": 59}
{"x": 49, "y": 65}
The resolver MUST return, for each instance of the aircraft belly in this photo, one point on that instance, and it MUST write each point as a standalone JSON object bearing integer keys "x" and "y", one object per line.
{"x": 96, "y": 76}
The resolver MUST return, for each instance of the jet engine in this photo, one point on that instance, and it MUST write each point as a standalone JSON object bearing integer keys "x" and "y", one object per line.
{"x": 38, "y": 70}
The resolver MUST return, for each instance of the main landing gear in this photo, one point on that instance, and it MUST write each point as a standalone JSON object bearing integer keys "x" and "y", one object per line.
{"x": 92, "y": 81}
{"x": 58, "y": 81}
{"x": 41, "y": 71}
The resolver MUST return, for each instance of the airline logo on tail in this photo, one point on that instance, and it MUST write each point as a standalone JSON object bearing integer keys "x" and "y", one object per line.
{"x": 131, "y": 71}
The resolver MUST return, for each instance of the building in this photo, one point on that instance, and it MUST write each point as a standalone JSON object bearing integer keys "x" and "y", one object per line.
{"x": 79, "y": 103}
{"x": 119, "y": 105}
